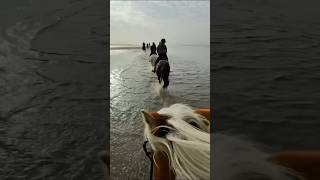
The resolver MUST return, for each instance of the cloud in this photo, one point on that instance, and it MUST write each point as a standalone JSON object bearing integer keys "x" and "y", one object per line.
{"x": 126, "y": 12}
{"x": 178, "y": 21}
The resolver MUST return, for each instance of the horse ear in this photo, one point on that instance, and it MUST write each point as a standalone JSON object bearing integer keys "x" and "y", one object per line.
{"x": 204, "y": 112}
{"x": 149, "y": 119}
{"x": 154, "y": 119}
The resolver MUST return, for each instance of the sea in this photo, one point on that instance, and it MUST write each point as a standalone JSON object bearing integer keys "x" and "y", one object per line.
{"x": 134, "y": 87}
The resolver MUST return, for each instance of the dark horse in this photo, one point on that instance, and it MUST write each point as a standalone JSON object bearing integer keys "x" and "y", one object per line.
{"x": 163, "y": 70}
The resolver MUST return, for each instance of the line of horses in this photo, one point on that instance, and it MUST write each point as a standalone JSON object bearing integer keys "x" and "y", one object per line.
{"x": 179, "y": 136}
{"x": 180, "y": 148}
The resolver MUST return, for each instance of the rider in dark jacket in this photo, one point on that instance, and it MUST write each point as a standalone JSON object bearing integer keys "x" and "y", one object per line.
{"x": 153, "y": 49}
{"x": 162, "y": 53}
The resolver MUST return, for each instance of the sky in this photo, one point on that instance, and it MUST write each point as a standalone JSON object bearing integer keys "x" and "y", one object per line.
{"x": 179, "y": 22}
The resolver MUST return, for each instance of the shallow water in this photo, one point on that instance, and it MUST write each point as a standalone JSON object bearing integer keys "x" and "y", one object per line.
{"x": 267, "y": 69}
{"x": 52, "y": 89}
{"x": 134, "y": 87}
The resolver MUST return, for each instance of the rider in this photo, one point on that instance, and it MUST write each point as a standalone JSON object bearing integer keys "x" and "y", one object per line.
{"x": 162, "y": 52}
{"x": 153, "y": 49}
{"x": 143, "y": 46}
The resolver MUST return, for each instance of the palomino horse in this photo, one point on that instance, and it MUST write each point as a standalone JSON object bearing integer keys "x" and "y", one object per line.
{"x": 162, "y": 71}
{"x": 180, "y": 142}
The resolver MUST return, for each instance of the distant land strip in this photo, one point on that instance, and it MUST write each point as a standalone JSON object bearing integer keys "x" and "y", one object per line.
{"x": 117, "y": 48}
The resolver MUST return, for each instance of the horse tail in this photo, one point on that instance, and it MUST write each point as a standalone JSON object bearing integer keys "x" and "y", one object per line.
{"x": 165, "y": 82}
{"x": 165, "y": 75}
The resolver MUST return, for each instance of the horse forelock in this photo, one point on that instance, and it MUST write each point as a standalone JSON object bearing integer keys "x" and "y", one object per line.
{"x": 188, "y": 150}
{"x": 186, "y": 145}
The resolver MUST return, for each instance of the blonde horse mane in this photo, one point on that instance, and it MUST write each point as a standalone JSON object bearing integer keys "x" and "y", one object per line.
{"x": 187, "y": 143}
{"x": 187, "y": 146}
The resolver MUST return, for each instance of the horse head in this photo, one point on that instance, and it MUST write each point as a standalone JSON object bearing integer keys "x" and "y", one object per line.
{"x": 179, "y": 137}
{"x": 180, "y": 141}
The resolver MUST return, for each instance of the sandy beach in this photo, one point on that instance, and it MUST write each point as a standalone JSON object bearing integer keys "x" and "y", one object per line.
{"x": 53, "y": 89}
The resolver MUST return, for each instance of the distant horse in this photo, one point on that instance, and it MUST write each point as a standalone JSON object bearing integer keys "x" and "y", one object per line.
{"x": 162, "y": 71}
{"x": 180, "y": 143}
{"x": 153, "y": 59}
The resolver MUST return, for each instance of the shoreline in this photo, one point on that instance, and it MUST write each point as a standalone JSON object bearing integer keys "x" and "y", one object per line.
{"x": 124, "y": 48}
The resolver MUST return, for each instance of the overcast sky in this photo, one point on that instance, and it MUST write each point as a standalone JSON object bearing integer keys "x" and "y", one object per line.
{"x": 186, "y": 22}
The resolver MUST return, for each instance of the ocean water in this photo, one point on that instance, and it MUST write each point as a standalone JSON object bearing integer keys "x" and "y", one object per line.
{"x": 267, "y": 68}
{"x": 52, "y": 89}
{"x": 266, "y": 85}
{"x": 134, "y": 87}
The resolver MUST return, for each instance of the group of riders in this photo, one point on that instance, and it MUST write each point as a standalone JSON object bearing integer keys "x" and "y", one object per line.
{"x": 161, "y": 50}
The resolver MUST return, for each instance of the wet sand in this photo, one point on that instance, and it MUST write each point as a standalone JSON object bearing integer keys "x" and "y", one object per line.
{"x": 53, "y": 89}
